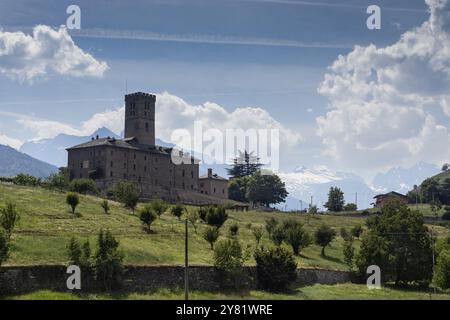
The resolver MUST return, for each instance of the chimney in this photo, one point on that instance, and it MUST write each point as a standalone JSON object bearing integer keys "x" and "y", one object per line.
{"x": 209, "y": 173}
{"x": 96, "y": 137}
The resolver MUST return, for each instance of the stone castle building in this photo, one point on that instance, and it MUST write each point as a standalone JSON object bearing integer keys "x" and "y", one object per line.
{"x": 214, "y": 185}
{"x": 136, "y": 158}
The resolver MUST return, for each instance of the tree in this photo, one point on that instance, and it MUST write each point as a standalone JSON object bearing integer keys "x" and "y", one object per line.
{"x": 237, "y": 188}
{"x": 127, "y": 193}
{"x": 266, "y": 189}
{"x": 72, "y": 200}
{"x": 83, "y": 186}
{"x": 4, "y": 247}
{"x": 441, "y": 276}
{"x": 193, "y": 217}
{"x": 278, "y": 235}
{"x": 211, "y": 235}
{"x": 9, "y": 217}
{"x": 435, "y": 206}
{"x": 356, "y": 231}
{"x": 313, "y": 210}
{"x": 85, "y": 261}
{"x": 335, "y": 200}
{"x": 445, "y": 167}
{"x": 60, "y": 180}
{"x": 216, "y": 217}
{"x": 177, "y": 211}
{"x": 159, "y": 206}
{"x": 147, "y": 216}
{"x": 234, "y": 229}
{"x": 246, "y": 164}
{"x": 271, "y": 224}
{"x": 297, "y": 237}
{"x": 348, "y": 251}
{"x": 344, "y": 233}
{"x": 105, "y": 206}
{"x": 428, "y": 190}
{"x": 228, "y": 260}
{"x": 258, "y": 232}
{"x": 276, "y": 268}
{"x": 108, "y": 261}
{"x": 399, "y": 243}
{"x": 350, "y": 207}
{"x": 74, "y": 252}
{"x": 323, "y": 236}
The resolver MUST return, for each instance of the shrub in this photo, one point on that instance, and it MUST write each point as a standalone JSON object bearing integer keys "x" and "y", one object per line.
{"x": 297, "y": 237}
{"x": 323, "y": 236}
{"x": 350, "y": 207}
{"x": 313, "y": 210}
{"x": 441, "y": 276}
{"x": 127, "y": 193}
{"x": 344, "y": 233}
{"x": 258, "y": 232}
{"x": 4, "y": 247}
{"x": 72, "y": 200}
{"x": 202, "y": 213}
{"x": 356, "y": 231}
{"x": 59, "y": 180}
{"x": 446, "y": 215}
{"x": 216, "y": 217}
{"x": 83, "y": 186}
{"x": 348, "y": 251}
{"x": 177, "y": 210}
{"x": 147, "y": 216}
{"x": 278, "y": 235}
{"x": 271, "y": 224}
{"x": 74, "y": 252}
{"x": 211, "y": 235}
{"x": 159, "y": 206}
{"x": 86, "y": 255}
{"x": 192, "y": 217}
{"x": 105, "y": 206}
{"x": 234, "y": 229}
{"x": 26, "y": 180}
{"x": 276, "y": 268}
{"x": 108, "y": 262}
{"x": 9, "y": 216}
{"x": 228, "y": 259}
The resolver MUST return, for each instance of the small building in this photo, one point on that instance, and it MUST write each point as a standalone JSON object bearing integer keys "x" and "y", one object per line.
{"x": 382, "y": 199}
{"x": 214, "y": 185}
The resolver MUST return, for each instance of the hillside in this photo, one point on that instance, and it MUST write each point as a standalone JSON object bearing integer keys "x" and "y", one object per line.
{"x": 13, "y": 162}
{"x": 46, "y": 226}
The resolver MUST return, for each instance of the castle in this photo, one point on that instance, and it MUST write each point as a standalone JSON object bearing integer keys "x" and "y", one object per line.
{"x": 136, "y": 158}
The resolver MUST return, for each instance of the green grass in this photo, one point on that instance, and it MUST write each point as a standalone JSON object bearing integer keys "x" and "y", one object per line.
{"x": 47, "y": 224}
{"x": 315, "y": 292}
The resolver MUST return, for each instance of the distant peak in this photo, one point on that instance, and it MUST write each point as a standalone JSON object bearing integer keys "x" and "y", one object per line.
{"x": 104, "y": 132}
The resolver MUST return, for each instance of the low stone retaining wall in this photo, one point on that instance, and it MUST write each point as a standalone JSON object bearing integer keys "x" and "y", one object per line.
{"x": 15, "y": 280}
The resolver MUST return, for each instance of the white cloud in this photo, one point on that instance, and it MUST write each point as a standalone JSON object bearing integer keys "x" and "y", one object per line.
{"x": 13, "y": 143}
{"x": 381, "y": 99}
{"x": 47, "y": 51}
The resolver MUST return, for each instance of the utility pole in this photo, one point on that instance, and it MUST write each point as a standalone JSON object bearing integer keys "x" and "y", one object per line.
{"x": 311, "y": 201}
{"x": 356, "y": 199}
{"x": 186, "y": 262}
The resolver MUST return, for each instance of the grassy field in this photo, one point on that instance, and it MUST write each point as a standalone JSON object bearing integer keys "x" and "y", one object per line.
{"x": 47, "y": 224}
{"x": 315, "y": 292}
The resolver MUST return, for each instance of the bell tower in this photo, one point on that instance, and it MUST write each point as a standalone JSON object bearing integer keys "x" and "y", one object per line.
{"x": 140, "y": 117}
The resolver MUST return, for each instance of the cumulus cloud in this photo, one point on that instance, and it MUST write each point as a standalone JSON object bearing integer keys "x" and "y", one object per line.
{"x": 381, "y": 99}
{"x": 45, "y": 52}
{"x": 172, "y": 113}
{"x": 8, "y": 141}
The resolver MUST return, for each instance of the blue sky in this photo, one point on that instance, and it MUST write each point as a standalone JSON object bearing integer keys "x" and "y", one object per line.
{"x": 261, "y": 54}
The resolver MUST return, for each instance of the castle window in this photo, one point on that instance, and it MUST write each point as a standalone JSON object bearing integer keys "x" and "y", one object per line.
{"x": 124, "y": 175}
{"x": 134, "y": 167}
{"x": 223, "y": 191}
{"x": 112, "y": 153}
{"x": 192, "y": 187}
{"x": 182, "y": 173}
{"x": 214, "y": 190}
{"x": 145, "y": 158}
{"x": 111, "y": 164}
{"x": 145, "y": 169}
{"x": 184, "y": 186}
{"x": 111, "y": 174}
{"x": 135, "y": 155}
{"x": 124, "y": 165}
{"x": 146, "y": 126}
{"x": 192, "y": 174}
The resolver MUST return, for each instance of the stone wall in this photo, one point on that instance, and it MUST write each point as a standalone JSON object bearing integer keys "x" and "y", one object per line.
{"x": 14, "y": 280}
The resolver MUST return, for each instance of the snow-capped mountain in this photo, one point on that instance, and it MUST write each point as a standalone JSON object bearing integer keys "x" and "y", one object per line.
{"x": 54, "y": 151}
{"x": 305, "y": 184}
{"x": 403, "y": 179}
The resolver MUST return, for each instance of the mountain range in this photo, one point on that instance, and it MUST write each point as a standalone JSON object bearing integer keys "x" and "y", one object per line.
{"x": 303, "y": 184}
{"x": 13, "y": 162}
